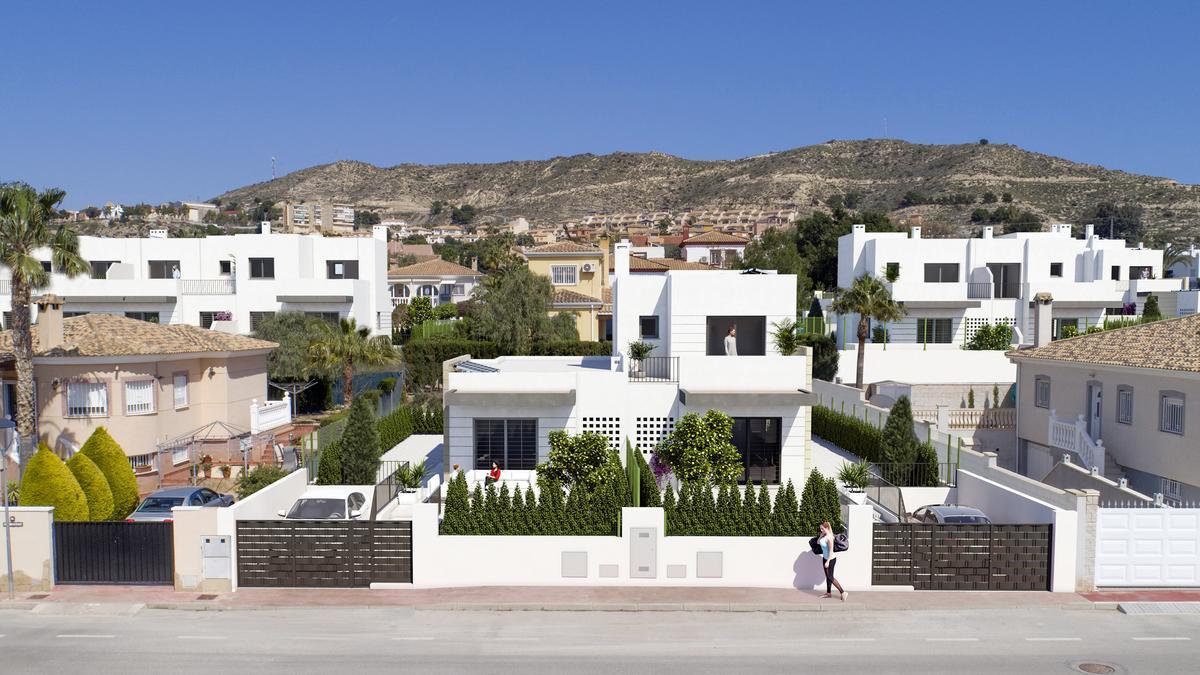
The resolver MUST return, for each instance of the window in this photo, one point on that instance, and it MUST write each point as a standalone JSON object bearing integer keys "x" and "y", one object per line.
{"x": 8, "y": 320}
{"x": 70, "y": 315}
{"x": 327, "y": 317}
{"x": 142, "y": 464}
{"x": 1056, "y": 270}
{"x": 891, "y": 270}
{"x": 262, "y": 268}
{"x": 751, "y": 334}
{"x": 179, "y": 383}
{"x": 151, "y": 317}
{"x": 1125, "y": 404}
{"x": 427, "y": 291}
{"x": 935, "y": 331}
{"x": 758, "y": 440}
{"x": 1041, "y": 391}
{"x": 163, "y": 269}
{"x": 458, "y": 289}
{"x": 1116, "y": 272}
{"x": 564, "y": 275}
{"x": 225, "y": 267}
{"x": 341, "y": 269}
{"x": 511, "y": 444}
{"x": 207, "y": 318}
{"x": 941, "y": 273}
{"x": 139, "y": 397}
{"x": 257, "y": 318}
{"x": 1170, "y": 412}
{"x": 1140, "y": 272}
{"x": 1061, "y": 328}
{"x": 87, "y": 399}
{"x": 46, "y": 266}
{"x": 649, "y": 326}
{"x": 100, "y": 268}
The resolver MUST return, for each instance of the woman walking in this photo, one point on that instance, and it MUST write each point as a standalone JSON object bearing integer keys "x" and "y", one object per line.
{"x": 828, "y": 559}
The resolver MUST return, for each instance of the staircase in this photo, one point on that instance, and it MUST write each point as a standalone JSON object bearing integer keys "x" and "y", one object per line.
{"x": 1073, "y": 437}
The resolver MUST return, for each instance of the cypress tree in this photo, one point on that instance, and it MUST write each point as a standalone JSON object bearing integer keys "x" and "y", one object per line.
{"x": 360, "y": 445}
{"x": 811, "y": 515}
{"x": 110, "y": 458}
{"x": 684, "y": 513}
{"x": 551, "y": 508}
{"x": 504, "y": 511}
{"x": 899, "y": 445}
{"x": 749, "y": 503}
{"x": 95, "y": 486}
{"x": 670, "y": 525}
{"x": 762, "y": 511}
{"x": 48, "y": 482}
{"x": 475, "y": 523}
{"x": 575, "y": 513}
{"x": 529, "y": 510}
{"x": 458, "y": 508}
{"x": 832, "y": 505}
{"x": 649, "y": 486}
{"x": 786, "y": 518}
{"x": 728, "y": 511}
{"x": 491, "y": 511}
{"x": 707, "y": 509}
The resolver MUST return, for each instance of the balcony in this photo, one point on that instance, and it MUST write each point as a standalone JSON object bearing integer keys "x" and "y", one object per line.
{"x": 1008, "y": 289}
{"x": 654, "y": 369}
{"x": 979, "y": 290}
{"x": 225, "y": 286}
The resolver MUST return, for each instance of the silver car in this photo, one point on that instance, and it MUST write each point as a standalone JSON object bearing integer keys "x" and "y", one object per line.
{"x": 156, "y": 507}
{"x": 949, "y": 514}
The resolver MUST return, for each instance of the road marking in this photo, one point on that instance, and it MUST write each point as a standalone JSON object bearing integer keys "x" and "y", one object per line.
{"x": 203, "y": 637}
{"x": 962, "y": 639}
{"x": 84, "y": 636}
{"x": 1052, "y": 639}
{"x": 1147, "y": 639}
{"x": 515, "y": 639}
{"x": 326, "y": 638}
{"x": 848, "y": 640}
{"x": 412, "y": 637}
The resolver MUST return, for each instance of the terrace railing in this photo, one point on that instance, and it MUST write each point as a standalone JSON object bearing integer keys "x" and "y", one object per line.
{"x": 654, "y": 369}
{"x": 917, "y": 475}
{"x": 225, "y": 286}
{"x": 979, "y": 290}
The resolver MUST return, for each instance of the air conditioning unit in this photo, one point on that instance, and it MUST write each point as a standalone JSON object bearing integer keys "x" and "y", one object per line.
{"x": 589, "y": 267}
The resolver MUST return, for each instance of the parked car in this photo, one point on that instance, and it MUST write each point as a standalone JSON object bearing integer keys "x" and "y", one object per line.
{"x": 156, "y": 507}
{"x": 949, "y": 514}
{"x": 331, "y": 502}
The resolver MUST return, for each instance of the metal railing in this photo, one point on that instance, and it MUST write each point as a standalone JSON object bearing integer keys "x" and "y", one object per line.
{"x": 207, "y": 286}
{"x": 979, "y": 290}
{"x": 917, "y": 475}
{"x": 5, "y": 287}
{"x": 387, "y": 486}
{"x": 887, "y": 496}
{"x": 654, "y": 369}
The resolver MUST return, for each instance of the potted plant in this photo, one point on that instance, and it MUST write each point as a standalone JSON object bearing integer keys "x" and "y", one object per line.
{"x": 206, "y": 462}
{"x": 226, "y": 471}
{"x": 638, "y": 351}
{"x": 410, "y": 477}
{"x": 856, "y": 477}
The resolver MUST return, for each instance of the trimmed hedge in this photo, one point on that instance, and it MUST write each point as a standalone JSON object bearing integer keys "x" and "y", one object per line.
{"x": 423, "y": 358}
{"x": 48, "y": 482}
{"x": 94, "y": 485}
{"x": 697, "y": 512}
{"x": 849, "y": 433}
{"x": 114, "y": 464}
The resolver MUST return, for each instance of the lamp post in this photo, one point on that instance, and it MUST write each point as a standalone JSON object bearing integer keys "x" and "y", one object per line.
{"x": 7, "y": 424}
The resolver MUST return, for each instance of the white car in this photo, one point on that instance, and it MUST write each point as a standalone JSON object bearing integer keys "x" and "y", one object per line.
{"x": 332, "y": 502}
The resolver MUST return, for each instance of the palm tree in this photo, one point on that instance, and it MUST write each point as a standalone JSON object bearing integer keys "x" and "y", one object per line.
{"x": 869, "y": 299}
{"x": 347, "y": 346}
{"x": 24, "y": 228}
{"x": 1176, "y": 253}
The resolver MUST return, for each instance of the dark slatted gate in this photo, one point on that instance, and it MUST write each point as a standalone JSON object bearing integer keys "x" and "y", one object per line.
{"x": 114, "y": 553}
{"x": 328, "y": 553}
{"x": 962, "y": 557}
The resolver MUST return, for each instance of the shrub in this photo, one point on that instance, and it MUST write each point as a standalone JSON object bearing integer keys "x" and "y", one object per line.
{"x": 258, "y": 478}
{"x": 899, "y": 440}
{"x": 701, "y": 449}
{"x": 856, "y": 475}
{"x": 329, "y": 468}
{"x": 989, "y": 337}
{"x": 458, "y": 507}
{"x": 849, "y": 433}
{"x": 360, "y": 445}
{"x": 114, "y": 464}
{"x": 1150, "y": 310}
{"x": 13, "y": 490}
{"x": 926, "y": 470}
{"x": 48, "y": 482}
{"x": 576, "y": 460}
{"x": 648, "y": 484}
{"x": 95, "y": 486}
{"x": 825, "y": 354}
{"x": 446, "y": 310}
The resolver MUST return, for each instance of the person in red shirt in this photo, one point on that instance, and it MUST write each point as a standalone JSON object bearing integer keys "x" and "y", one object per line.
{"x": 493, "y": 475}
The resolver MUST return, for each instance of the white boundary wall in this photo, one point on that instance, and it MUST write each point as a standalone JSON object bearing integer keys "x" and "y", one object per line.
{"x": 910, "y": 363}
{"x": 768, "y": 562}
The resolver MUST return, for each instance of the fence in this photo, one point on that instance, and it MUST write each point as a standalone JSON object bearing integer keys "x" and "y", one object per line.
{"x": 962, "y": 557}
{"x": 654, "y": 369}
{"x": 917, "y": 475}
{"x": 972, "y": 418}
{"x": 323, "y": 553}
{"x": 433, "y": 328}
{"x": 270, "y": 414}
{"x": 114, "y": 553}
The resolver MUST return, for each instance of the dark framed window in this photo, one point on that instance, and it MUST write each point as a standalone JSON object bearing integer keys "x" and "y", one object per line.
{"x": 327, "y": 317}
{"x": 341, "y": 269}
{"x": 649, "y": 326}
{"x": 162, "y": 269}
{"x": 46, "y": 266}
{"x": 759, "y": 440}
{"x": 892, "y": 270}
{"x": 1041, "y": 391}
{"x": 1056, "y": 269}
{"x": 1125, "y": 404}
{"x": 257, "y": 318}
{"x": 262, "y": 268}
{"x": 1059, "y": 328}
{"x": 207, "y": 318}
{"x": 1116, "y": 272}
{"x": 510, "y": 443}
{"x": 225, "y": 267}
{"x": 941, "y": 273}
{"x": 751, "y": 334}
{"x": 100, "y": 268}
{"x": 151, "y": 317}
{"x": 933, "y": 331}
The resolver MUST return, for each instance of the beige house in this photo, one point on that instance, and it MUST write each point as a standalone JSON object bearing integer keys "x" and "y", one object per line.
{"x": 1126, "y": 401}
{"x": 146, "y": 383}
{"x": 579, "y": 275}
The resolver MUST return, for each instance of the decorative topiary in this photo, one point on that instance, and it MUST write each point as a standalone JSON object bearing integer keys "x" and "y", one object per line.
{"x": 48, "y": 482}
{"x": 114, "y": 464}
{"x": 360, "y": 445}
{"x": 95, "y": 486}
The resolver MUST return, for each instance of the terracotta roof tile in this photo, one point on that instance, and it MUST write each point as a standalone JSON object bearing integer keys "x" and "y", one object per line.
{"x": 1172, "y": 344}
{"x": 109, "y": 335}
{"x": 714, "y": 237}
{"x": 563, "y": 247}
{"x": 432, "y": 267}
{"x": 639, "y": 264}
{"x": 606, "y": 297}
{"x": 563, "y": 296}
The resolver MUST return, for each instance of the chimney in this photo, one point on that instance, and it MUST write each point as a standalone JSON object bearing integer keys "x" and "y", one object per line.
{"x": 1088, "y": 231}
{"x": 858, "y": 228}
{"x": 604, "y": 259}
{"x": 265, "y": 227}
{"x": 1043, "y": 327}
{"x": 49, "y": 322}
{"x": 916, "y": 232}
{"x": 621, "y": 254}
{"x": 380, "y": 232}
{"x": 687, "y": 231}
{"x": 475, "y": 263}
{"x": 988, "y": 230}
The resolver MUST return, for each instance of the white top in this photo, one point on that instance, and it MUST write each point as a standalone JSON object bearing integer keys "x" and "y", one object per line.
{"x": 730, "y": 345}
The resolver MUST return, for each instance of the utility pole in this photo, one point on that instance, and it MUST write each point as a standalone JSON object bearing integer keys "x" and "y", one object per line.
{"x": 7, "y": 425}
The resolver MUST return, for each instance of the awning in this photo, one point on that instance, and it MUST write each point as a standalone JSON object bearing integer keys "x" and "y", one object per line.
{"x": 941, "y": 304}
{"x": 1085, "y": 304}
{"x": 77, "y": 298}
{"x": 512, "y": 399}
{"x": 715, "y": 398}
{"x": 314, "y": 298}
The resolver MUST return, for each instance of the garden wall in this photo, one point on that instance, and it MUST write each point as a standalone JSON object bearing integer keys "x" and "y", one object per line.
{"x": 772, "y": 562}
{"x": 32, "y": 548}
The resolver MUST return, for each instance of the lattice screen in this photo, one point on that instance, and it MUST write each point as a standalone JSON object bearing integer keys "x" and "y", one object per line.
{"x": 973, "y": 324}
{"x": 606, "y": 426}
{"x": 651, "y": 431}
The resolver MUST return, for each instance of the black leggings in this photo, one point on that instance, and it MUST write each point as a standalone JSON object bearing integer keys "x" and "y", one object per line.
{"x": 829, "y": 575}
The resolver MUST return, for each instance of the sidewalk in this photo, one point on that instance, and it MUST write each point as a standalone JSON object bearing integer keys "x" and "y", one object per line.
{"x": 124, "y": 599}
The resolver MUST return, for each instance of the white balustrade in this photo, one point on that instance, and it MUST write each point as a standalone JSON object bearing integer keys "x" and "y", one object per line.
{"x": 223, "y": 286}
{"x": 1073, "y": 436}
{"x": 270, "y": 414}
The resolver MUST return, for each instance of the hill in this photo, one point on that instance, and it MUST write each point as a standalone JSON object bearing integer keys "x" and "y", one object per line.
{"x": 881, "y": 172}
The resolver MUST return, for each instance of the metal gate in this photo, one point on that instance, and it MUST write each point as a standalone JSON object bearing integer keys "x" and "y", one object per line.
{"x": 962, "y": 557}
{"x": 323, "y": 553}
{"x": 1148, "y": 546}
{"x": 114, "y": 553}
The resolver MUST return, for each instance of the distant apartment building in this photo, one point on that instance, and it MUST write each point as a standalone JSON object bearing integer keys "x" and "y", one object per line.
{"x": 318, "y": 216}
{"x": 240, "y": 278}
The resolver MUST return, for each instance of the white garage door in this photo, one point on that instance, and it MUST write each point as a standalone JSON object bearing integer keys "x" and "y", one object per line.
{"x": 1148, "y": 547}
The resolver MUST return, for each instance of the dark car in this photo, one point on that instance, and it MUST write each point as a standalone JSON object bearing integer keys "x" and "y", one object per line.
{"x": 156, "y": 507}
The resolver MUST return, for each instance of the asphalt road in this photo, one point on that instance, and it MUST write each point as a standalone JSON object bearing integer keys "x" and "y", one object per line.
{"x": 352, "y": 641}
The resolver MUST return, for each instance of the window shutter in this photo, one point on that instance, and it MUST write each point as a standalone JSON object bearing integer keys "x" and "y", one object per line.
{"x": 180, "y": 387}
{"x": 139, "y": 397}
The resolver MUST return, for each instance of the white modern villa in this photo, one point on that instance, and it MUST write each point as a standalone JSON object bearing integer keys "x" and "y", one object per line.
{"x": 502, "y": 410}
{"x": 240, "y": 279}
{"x": 952, "y": 287}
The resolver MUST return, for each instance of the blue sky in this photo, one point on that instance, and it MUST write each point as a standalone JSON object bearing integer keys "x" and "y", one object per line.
{"x": 154, "y": 101}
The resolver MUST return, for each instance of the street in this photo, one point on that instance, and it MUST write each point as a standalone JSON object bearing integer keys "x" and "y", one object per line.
{"x": 408, "y": 640}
